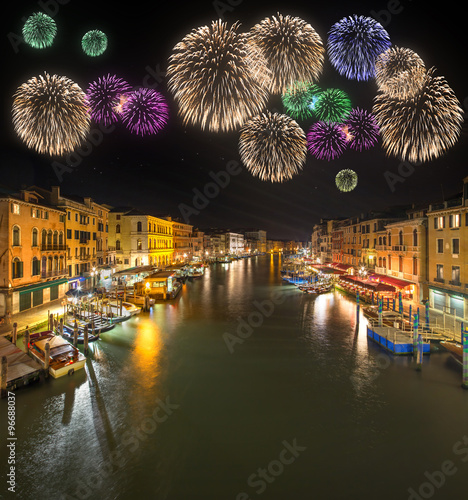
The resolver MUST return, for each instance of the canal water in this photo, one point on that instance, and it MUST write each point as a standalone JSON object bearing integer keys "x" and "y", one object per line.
{"x": 243, "y": 388}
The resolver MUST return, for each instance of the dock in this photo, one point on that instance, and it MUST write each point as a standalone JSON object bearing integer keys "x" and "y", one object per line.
{"x": 21, "y": 368}
{"x": 395, "y": 340}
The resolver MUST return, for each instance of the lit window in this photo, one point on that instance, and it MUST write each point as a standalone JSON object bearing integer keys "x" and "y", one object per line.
{"x": 15, "y": 208}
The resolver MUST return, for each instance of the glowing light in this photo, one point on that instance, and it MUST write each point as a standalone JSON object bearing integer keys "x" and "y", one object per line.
{"x": 94, "y": 43}
{"x": 293, "y": 50}
{"x": 39, "y": 30}
{"x": 353, "y": 45}
{"x": 326, "y": 140}
{"x": 363, "y": 129}
{"x": 50, "y": 114}
{"x": 300, "y": 98}
{"x": 346, "y": 180}
{"x": 273, "y": 147}
{"x": 332, "y": 105}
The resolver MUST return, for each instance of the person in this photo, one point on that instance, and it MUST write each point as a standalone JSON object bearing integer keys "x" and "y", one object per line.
{"x": 8, "y": 317}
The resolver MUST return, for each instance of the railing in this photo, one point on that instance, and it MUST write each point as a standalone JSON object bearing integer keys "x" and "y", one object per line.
{"x": 53, "y": 247}
{"x": 53, "y": 274}
{"x": 399, "y": 248}
{"x": 455, "y": 283}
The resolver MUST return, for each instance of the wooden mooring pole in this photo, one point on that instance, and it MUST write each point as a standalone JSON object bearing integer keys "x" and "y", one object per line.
{"x": 3, "y": 377}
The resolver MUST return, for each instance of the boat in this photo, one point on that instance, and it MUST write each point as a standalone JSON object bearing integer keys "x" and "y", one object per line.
{"x": 64, "y": 358}
{"x": 455, "y": 349}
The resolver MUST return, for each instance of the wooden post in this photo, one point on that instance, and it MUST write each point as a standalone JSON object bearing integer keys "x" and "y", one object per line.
{"x": 61, "y": 327}
{"x": 380, "y": 310}
{"x": 420, "y": 353}
{"x": 46, "y": 357}
{"x": 26, "y": 340}
{"x": 415, "y": 334}
{"x": 3, "y": 377}
{"x": 14, "y": 335}
{"x": 357, "y": 308}
{"x": 121, "y": 306}
{"x": 48, "y": 320}
{"x": 75, "y": 334}
{"x": 85, "y": 339}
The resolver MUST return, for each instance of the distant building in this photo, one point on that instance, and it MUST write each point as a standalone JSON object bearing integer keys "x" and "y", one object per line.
{"x": 182, "y": 233}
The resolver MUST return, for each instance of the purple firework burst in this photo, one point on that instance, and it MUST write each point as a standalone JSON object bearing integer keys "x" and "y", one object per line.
{"x": 326, "y": 140}
{"x": 104, "y": 97}
{"x": 145, "y": 112}
{"x": 363, "y": 129}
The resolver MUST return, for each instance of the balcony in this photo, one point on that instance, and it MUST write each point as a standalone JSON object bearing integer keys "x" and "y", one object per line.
{"x": 53, "y": 248}
{"x": 54, "y": 274}
{"x": 399, "y": 248}
{"x": 439, "y": 280}
{"x": 455, "y": 283}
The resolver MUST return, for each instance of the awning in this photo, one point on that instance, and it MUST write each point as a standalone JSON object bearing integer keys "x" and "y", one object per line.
{"x": 390, "y": 280}
{"x": 374, "y": 287}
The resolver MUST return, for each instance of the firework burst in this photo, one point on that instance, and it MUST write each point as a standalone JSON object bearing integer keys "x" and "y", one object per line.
{"x": 145, "y": 111}
{"x": 39, "y": 30}
{"x": 273, "y": 147}
{"x": 326, "y": 140}
{"x": 346, "y": 180}
{"x": 363, "y": 129}
{"x": 293, "y": 50}
{"x": 353, "y": 45}
{"x": 217, "y": 77}
{"x": 299, "y": 99}
{"x": 423, "y": 127}
{"x": 332, "y": 105}
{"x": 94, "y": 43}
{"x": 105, "y": 98}
{"x": 50, "y": 114}
{"x": 399, "y": 72}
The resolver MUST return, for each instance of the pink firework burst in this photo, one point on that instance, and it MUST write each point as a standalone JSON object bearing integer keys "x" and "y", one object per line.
{"x": 363, "y": 129}
{"x": 145, "y": 112}
{"x": 326, "y": 140}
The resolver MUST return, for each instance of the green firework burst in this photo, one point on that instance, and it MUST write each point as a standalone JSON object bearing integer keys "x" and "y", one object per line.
{"x": 300, "y": 98}
{"x": 346, "y": 180}
{"x": 39, "y": 30}
{"x": 333, "y": 105}
{"x": 94, "y": 43}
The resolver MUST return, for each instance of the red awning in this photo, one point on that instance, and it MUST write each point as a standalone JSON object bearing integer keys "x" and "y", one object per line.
{"x": 390, "y": 280}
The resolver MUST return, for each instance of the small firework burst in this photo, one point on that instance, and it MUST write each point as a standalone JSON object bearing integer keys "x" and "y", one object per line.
{"x": 332, "y": 105}
{"x": 293, "y": 50}
{"x": 422, "y": 127}
{"x": 399, "y": 72}
{"x": 353, "y": 45}
{"x": 50, "y": 114}
{"x": 273, "y": 147}
{"x": 145, "y": 112}
{"x": 105, "y": 97}
{"x": 326, "y": 140}
{"x": 300, "y": 98}
{"x": 217, "y": 76}
{"x": 39, "y": 30}
{"x": 362, "y": 129}
{"x": 346, "y": 180}
{"x": 94, "y": 43}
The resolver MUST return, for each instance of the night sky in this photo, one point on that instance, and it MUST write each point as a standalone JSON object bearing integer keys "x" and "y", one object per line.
{"x": 160, "y": 172}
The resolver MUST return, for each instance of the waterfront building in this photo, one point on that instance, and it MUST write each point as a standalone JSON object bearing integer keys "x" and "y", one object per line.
{"x": 33, "y": 251}
{"x": 137, "y": 238}
{"x": 86, "y": 235}
{"x": 255, "y": 240}
{"x": 447, "y": 248}
{"x": 233, "y": 243}
{"x": 198, "y": 247}
{"x": 182, "y": 234}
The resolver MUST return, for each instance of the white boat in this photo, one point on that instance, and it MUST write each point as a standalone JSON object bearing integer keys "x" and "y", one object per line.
{"x": 64, "y": 357}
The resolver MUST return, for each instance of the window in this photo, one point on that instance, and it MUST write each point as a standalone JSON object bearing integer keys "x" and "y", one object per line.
{"x": 15, "y": 208}
{"x": 69, "y": 234}
{"x": 440, "y": 245}
{"x": 439, "y": 222}
{"x": 34, "y": 237}
{"x": 415, "y": 266}
{"x": 454, "y": 220}
{"x": 16, "y": 268}
{"x": 35, "y": 267}
{"x": 400, "y": 238}
{"x": 68, "y": 215}
{"x": 77, "y": 235}
{"x": 455, "y": 246}
{"x": 117, "y": 245}
{"x": 455, "y": 275}
{"x": 16, "y": 236}
{"x": 138, "y": 244}
{"x": 440, "y": 271}
{"x": 400, "y": 264}
{"x": 139, "y": 227}
{"x": 390, "y": 262}
{"x": 117, "y": 228}
{"x": 415, "y": 238}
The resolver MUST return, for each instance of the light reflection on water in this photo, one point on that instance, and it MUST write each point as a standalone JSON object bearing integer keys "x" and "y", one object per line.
{"x": 307, "y": 372}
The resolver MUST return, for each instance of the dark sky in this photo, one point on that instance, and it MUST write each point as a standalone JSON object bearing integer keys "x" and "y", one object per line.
{"x": 161, "y": 172}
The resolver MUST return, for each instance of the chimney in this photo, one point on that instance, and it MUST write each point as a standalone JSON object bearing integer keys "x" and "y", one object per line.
{"x": 55, "y": 195}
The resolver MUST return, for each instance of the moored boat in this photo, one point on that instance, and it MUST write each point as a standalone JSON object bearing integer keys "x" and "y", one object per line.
{"x": 455, "y": 349}
{"x": 64, "y": 358}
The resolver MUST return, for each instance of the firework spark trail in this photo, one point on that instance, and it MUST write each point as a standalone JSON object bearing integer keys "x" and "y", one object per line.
{"x": 39, "y": 30}
{"x": 400, "y": 72}
{"x": 363, "y": 129}
{"x": 50, "y": 114}
{"x": 293, "y": 49}
{"x": 273, "y": 147}
{"x": 218, "y": 77}
{"x": 353, "y": 44}
{"x": 423, "y": 127}
{"x": 326, "y": 140}
{"x": 145, "y": 112}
